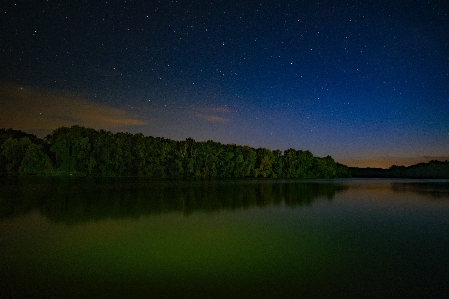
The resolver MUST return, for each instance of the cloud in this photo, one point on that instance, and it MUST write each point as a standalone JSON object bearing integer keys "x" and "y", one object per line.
{"x": 212, "y": 118}
{"x": 32, "y": 109}
{"x": 216, "y": 115}
{"x": 219, "y": 110}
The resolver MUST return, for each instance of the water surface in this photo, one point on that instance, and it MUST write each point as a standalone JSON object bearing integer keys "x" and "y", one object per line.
{"x": 244, "y": 238}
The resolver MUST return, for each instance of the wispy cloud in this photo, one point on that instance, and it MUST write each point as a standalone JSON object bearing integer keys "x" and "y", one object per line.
{"x": 216, "y": 114}
{"x": 31, "y": 109}
{"x": 212, "y": 118}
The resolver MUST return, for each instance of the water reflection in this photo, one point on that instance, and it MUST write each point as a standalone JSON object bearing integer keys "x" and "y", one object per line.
{"x": 77, "y": 200}
{"x": 435, "y": 189}
{"x": 377, "y": 239}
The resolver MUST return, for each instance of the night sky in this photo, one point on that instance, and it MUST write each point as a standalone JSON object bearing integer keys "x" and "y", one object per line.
{"x": 366, "y": 82}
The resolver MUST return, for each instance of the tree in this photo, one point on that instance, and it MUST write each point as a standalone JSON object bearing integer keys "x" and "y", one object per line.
{"x": 139, "y": 154}
{"x": 225, "y": 162}
{"x": 277, "y": 165}
{"x": 13, "y": 150}
{"x": 249, "y": 161}
{"x": 157, "y": 153}
{"x": 264, "y": 161}
{"x": 238, "y": 160}
{"x": 290, "y": 163}
{"x": 35, "y": 161}
{"x": 324, "y": 167}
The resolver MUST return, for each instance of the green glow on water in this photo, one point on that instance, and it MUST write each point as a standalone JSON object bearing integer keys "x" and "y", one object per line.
{"x": 354, "y": 245}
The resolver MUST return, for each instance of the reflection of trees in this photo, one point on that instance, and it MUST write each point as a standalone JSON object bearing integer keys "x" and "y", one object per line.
{"x": 21, "y": 195}
{"x": 429, "y": 189}
{"x": 75, "y": 200}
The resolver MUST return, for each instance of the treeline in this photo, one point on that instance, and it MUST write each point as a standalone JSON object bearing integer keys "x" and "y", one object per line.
{"x": 80, "y": 151}
{"x": 431, "y": 170}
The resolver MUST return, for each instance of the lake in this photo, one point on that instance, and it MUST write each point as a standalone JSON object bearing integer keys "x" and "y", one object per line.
{"x": 128, "y": 238}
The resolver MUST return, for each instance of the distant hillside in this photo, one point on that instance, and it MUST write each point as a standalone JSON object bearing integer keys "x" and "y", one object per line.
{"x": 431, "y": 170}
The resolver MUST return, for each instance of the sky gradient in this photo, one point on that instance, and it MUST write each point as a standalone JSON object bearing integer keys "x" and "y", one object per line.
{"x": 366, "y": 82}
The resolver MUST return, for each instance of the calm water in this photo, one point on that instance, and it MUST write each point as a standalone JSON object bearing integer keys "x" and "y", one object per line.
{"x": 224, "y": 239}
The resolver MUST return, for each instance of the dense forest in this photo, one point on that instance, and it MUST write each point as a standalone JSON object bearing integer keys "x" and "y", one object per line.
{"x": 80, "y": 151}
{"x": 431, "y": 170}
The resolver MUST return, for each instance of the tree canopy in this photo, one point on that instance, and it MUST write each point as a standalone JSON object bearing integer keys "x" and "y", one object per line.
{"x": 80, "y": 151}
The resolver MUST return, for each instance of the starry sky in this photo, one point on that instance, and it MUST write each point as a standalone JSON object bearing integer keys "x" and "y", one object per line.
{"x": 366, "y": 82}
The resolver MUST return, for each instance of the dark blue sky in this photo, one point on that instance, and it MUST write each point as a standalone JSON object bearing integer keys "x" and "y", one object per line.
{"x": 366, "y": 82}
